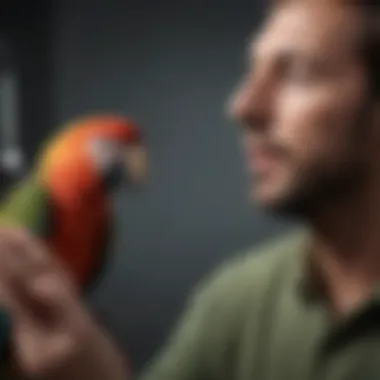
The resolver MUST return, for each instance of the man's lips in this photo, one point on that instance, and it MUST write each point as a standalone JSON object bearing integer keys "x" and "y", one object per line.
{"x": 262, "y": 160}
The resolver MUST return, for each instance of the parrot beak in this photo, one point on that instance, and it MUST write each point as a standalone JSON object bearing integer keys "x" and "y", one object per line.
{"x": 136, "y": 164}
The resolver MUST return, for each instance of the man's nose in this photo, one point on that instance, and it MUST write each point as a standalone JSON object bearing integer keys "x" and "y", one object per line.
{"x": 253, "y": 103}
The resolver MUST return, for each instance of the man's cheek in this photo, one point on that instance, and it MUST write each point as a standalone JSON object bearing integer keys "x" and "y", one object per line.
{"x": 307, "y": 119}
{"x": 296, "y": 113}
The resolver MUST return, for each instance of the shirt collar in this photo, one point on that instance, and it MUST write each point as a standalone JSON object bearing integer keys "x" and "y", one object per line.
{"x": 309, "y": 282}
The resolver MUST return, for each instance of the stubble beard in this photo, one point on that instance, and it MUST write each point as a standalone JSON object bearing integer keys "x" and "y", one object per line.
{"x": 328, "y": 184}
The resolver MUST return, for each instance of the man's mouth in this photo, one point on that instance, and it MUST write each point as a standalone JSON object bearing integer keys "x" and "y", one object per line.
{"x": 262, "y": 160}
{"x": 262, "y": 155}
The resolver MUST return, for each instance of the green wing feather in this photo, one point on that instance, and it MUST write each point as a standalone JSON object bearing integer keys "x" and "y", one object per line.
{"x": 26, "y": 206}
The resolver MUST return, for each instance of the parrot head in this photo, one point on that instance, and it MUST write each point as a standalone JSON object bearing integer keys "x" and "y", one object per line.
{"x": 95, "y": 151}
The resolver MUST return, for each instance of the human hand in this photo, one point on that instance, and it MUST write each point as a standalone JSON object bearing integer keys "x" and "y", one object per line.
{"x": 53, "y": 335}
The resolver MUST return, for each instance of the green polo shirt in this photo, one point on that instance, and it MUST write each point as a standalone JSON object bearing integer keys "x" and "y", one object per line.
{"x": 255, "y": 319}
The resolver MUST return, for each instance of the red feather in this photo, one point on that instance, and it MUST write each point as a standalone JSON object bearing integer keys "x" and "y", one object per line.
{"x": 80, "y": 207}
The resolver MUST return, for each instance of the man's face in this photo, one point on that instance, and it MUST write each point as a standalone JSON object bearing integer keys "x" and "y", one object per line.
{"x": 304, "y": 108}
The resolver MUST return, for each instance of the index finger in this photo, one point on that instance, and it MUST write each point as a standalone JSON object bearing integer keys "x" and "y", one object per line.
{"x": 26, "y": 255}
{"x": 22, "y": 238}
{"x": 32, "y": 277}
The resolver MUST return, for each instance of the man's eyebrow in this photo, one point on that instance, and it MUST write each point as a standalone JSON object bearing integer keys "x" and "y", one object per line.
{"x": 284, "y": 52}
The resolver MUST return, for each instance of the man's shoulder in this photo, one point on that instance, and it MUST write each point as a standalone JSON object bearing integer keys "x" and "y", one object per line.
{"x": 250, "y": 272}
{"x": 223, "y": 305}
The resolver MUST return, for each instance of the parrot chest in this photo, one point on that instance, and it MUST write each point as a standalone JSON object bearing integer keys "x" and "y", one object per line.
{"x": 78, "y": 236}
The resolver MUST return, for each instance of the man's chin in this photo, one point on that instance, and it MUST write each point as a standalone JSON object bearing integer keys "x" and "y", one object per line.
{"x": 280, "y": 204}
{"x": 265, "y": 199}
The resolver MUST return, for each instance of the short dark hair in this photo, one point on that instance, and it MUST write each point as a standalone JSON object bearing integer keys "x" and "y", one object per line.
{"x": 370, "y": 43}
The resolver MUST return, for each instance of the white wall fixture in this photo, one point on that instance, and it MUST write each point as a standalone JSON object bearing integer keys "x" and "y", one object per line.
{"x": 12, "y": 157}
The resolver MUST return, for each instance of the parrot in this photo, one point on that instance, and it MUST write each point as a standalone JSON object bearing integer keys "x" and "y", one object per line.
{"x": 65, "y": 199}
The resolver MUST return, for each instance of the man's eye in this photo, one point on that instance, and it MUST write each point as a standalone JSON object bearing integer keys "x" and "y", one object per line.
{"x": 295, "y": 69}
{"x": 299, "y": 72}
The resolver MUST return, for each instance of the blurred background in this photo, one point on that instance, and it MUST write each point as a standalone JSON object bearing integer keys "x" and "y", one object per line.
{"x": 171, "y": 66}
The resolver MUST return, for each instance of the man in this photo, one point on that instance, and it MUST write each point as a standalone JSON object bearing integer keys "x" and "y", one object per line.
{"x": 307, "y": 307}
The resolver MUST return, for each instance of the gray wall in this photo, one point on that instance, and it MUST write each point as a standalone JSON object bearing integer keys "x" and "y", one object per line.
{"x": 26, "y": 26}
{"x": 172, "y": 68}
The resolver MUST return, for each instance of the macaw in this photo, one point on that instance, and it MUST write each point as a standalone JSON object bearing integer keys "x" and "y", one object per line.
{"x": 66, "y": 198}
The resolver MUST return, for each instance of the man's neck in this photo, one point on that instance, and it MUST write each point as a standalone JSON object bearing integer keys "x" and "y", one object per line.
{"x": 346, "y": 250}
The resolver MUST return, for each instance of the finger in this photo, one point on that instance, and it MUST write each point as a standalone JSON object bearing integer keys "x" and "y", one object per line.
{"x": 48, "y": 297}
{"x": 38, "y": 286}
{"x": 8, "y": 305}
{"x": 46, "y": 300}
{"x": 12, "y": 267}
{"x": 30, "y": 249}
{"x": 49, "y": 316}
{"x": 28, "y": 256}
{"x": 9, "y": 266}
